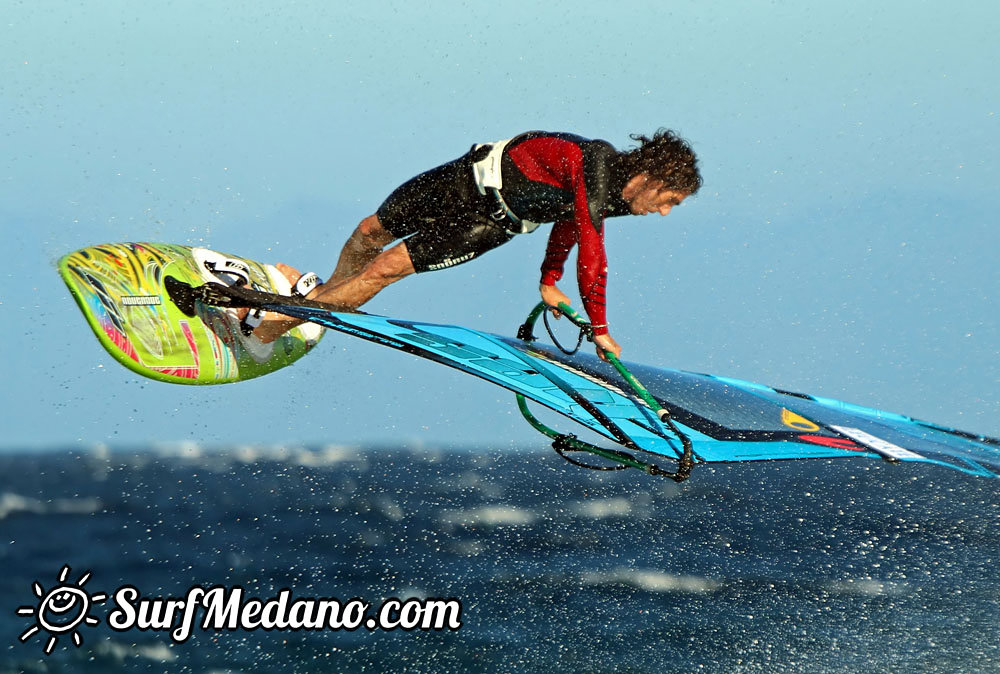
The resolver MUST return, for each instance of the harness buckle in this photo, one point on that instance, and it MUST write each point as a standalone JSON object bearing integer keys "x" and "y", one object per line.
{"x": 499, "y": 215}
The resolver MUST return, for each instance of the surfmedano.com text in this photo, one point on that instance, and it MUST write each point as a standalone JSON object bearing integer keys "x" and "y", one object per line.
{"x": 221, "y": 608}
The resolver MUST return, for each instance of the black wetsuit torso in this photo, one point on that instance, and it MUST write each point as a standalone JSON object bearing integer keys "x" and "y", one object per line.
{"x": 547, "y": 177}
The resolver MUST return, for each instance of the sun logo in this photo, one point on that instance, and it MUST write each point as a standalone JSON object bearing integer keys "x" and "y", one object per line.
{"x": 61, "y": 610}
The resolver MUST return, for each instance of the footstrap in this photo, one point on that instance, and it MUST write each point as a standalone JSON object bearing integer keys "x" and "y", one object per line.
{"x": 253, "y": 318}
{"x": 239, "y": 272}
{"x": 306, "y": 283}
{"x": 302, "y": 287}
{"x": 236, "y": 274}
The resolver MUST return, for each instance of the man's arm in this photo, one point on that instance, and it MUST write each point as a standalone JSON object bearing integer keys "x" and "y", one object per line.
{"x": 591, "y": 266}
{"x": 561, "y": 242}
{"x": 552, "y": 297}
{"x": 591, "y": 269}
{"x": 587, "y": 177}
{"x": 592, "y": 275}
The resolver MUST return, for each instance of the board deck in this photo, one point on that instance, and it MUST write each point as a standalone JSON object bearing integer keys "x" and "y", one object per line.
{"x": 119, "y": 288}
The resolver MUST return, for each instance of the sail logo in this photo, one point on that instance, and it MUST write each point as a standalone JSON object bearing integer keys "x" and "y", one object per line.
{"x": 141, "y": 300}
{"x": 451, "y": 262}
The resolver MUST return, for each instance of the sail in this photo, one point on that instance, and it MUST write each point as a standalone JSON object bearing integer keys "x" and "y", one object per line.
{"x": 724, "y": 419}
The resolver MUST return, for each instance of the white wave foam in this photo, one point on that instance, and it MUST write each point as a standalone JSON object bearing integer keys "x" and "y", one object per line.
{"x": 330, "y": 455}
{"x": 467, "y": 548}
{"x": 158, "y": 652}
{"x": 411, "y": 593}
{"x": 222, "y": 459}
{"x": 651, "y": 581}
{"x": 187, "y": 449}
{"x": 14, "y": 503}
{"x": 489, "y": 516}
{"x": 472, "y": 480}
{"x": 866, "y": 588}
{"x": 392, "y": 510}
{"x": 601, "y": 508}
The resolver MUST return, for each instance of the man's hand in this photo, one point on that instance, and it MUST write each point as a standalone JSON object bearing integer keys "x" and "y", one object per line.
{"x": 605, "y": 343}
{"x": 552, "y": 296}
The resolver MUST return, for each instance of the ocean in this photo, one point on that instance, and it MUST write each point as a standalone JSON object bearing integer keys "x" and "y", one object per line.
{"x": 805, "y": 566}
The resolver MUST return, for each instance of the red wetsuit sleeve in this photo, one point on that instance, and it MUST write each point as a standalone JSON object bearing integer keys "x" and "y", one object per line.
{"x": 592, "y": 275}
{"x": 591, "y": 266}
{"x": 591, "y": 260}
{"x": 561, "y": 163}
{"x": 561, "y": 242}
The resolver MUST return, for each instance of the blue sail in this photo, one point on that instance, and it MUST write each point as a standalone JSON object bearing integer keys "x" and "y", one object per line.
{"x": 725, "y": 419}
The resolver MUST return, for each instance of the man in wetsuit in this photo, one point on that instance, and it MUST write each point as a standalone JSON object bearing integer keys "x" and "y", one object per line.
{"x": 458, "y": 211}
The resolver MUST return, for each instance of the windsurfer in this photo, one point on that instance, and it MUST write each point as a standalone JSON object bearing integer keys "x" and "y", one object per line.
{"x": 456, "y": 212}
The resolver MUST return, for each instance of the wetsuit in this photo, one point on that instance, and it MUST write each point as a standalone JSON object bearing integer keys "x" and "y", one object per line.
{"x": 446, "y": 219}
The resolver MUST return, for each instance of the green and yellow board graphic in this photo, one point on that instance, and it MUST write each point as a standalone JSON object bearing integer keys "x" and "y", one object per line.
{"x": 119, "y": 288}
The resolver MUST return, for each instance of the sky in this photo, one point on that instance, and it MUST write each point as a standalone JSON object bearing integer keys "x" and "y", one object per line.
{"x": 844, "y": 243}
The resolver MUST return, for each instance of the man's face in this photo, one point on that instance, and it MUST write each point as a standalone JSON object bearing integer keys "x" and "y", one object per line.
{"x": 649, "y": 196}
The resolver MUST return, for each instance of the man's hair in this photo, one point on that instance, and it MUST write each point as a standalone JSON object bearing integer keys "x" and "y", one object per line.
{"x": 667, "y": 157}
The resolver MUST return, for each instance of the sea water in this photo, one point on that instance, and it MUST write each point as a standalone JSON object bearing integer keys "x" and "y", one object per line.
{"x": 812, "y": 566}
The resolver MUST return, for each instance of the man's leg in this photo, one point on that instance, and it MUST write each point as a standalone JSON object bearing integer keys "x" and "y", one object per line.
{"x": 383, "y": 269}
{"x": 386, "y": 268}
{"x": 363, "y": 246}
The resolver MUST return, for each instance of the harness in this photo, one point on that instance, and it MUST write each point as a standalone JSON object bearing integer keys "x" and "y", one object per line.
{"x": 486, "y": 173}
